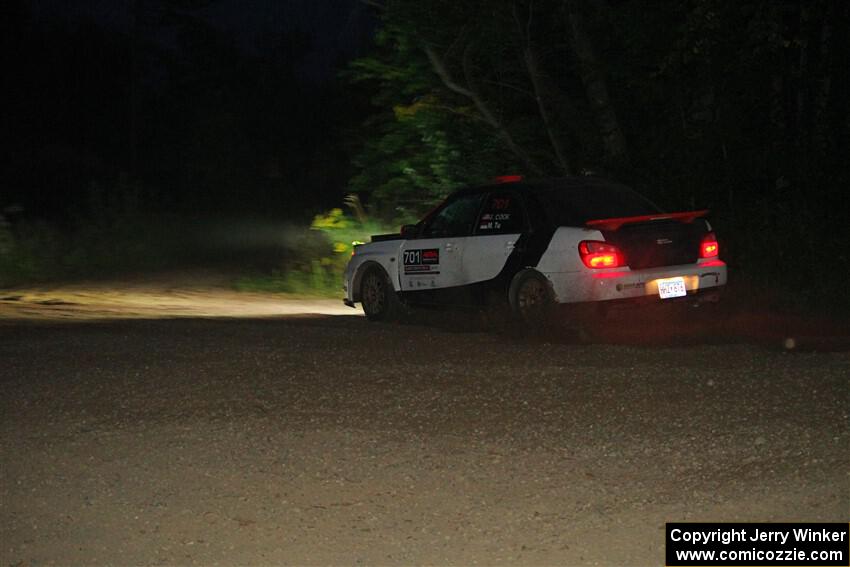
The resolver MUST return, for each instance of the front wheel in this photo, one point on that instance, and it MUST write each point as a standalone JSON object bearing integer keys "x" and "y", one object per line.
{"x": 379, "y": 299}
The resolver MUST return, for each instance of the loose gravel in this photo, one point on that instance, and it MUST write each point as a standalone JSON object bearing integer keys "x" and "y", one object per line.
{"x": 331, "y": 440}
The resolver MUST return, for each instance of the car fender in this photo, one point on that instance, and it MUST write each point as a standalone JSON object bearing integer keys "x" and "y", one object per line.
{"x": 383, "y": 254}
{"x": 561, "y": 256}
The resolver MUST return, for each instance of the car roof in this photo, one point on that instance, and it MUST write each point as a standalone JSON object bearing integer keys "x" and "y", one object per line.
{"x": 568, "y": 184}
{"x": 572, "y": 201}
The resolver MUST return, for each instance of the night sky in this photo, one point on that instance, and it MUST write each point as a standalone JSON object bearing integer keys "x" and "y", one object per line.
{"x": 336, "y": 27}
{"x": 203, "y": 105}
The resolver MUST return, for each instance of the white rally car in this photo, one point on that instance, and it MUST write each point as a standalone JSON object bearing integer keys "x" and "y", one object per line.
{"x": 536, "y": 245}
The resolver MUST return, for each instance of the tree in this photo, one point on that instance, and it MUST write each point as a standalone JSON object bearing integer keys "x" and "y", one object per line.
{"x": 740, "y": 106}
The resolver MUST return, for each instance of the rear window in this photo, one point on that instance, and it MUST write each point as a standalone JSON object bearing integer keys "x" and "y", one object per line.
{"x": 574, "y": 202}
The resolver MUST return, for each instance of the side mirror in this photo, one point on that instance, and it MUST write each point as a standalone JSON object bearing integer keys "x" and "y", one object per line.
{"x": 408, "y": 231}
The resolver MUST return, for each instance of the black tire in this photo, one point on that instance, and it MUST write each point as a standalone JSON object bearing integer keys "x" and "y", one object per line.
{"x": 379, "y": 299}
{"x": 531, "y": 299}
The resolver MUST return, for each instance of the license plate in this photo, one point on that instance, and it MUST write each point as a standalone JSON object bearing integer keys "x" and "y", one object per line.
{"x": 672, "y": 287}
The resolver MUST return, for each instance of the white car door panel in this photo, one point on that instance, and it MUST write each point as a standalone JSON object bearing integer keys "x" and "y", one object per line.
{"x": 431, "y": 263}
{"x": 435, "y": 260}
{"x": 497, "y": 230}
{"x": 485, "y": 256}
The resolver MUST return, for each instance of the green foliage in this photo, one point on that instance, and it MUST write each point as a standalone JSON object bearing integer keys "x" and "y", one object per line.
{"x": 122, "y": 238}
{"x": 24, "y": 257}
{"x": 737, "y": 106}
{"x": 421, "y": 139}
{"x": 310, "y": 280}
{"x": 319, "y": 259}
{"x": 414, "y": 163}
{"x": 110, "y": 234}
{"x": 40, "y": 251}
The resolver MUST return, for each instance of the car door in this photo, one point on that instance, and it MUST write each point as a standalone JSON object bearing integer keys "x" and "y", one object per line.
{"x": 499, "y": 226}
{"x": 431, "y": 265}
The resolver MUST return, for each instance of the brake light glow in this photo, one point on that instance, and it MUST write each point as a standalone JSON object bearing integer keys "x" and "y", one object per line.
{"x": 597, "y": 255}
{"x": 709, "y": 247}
{"x": 508, "y": 179}
{"x": 609, "y": 275}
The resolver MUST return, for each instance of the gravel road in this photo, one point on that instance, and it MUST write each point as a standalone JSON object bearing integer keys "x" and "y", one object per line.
{"x": 320, "y": 439}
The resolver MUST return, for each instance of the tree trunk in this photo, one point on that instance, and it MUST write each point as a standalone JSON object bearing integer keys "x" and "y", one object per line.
{"x": 596, "y": 88}
{"x": 467, "y": 91}
{"x": 536, "y": 83}
{"x": 536, "y": 77}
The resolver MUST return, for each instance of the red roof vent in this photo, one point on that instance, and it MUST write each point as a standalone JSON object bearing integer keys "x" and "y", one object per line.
{"x": 508, "y": 179}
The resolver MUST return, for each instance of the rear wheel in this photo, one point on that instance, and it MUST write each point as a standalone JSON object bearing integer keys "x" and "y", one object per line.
{"x": 379, "y": 299}
{"x": 531, "y": 298}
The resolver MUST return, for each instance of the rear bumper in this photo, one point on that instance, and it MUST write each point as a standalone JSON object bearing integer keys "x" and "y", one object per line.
{"x": 639, "y": 286}
{"x": 640, "y": 312}
{"x": 695, "y": 298}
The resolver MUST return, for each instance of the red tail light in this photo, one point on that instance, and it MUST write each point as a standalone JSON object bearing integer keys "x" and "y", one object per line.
{"x": 708, "y": 247}
{"x": 597, "y": 255}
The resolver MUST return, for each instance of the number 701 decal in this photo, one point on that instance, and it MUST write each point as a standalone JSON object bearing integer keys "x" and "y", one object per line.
{"x": 420, "y": 261}
{"x": 419, "y": 257}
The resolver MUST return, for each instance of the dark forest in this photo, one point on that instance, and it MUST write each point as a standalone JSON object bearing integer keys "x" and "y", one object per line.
{"x": 128, "y": 127}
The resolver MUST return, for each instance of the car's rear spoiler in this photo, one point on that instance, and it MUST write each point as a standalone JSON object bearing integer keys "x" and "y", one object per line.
{"x": 616, "y": 223}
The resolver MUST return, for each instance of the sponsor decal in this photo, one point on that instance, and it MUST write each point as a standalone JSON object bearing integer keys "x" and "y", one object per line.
{"x": 494, "y": 221}
{"x": 419, "y": 261}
